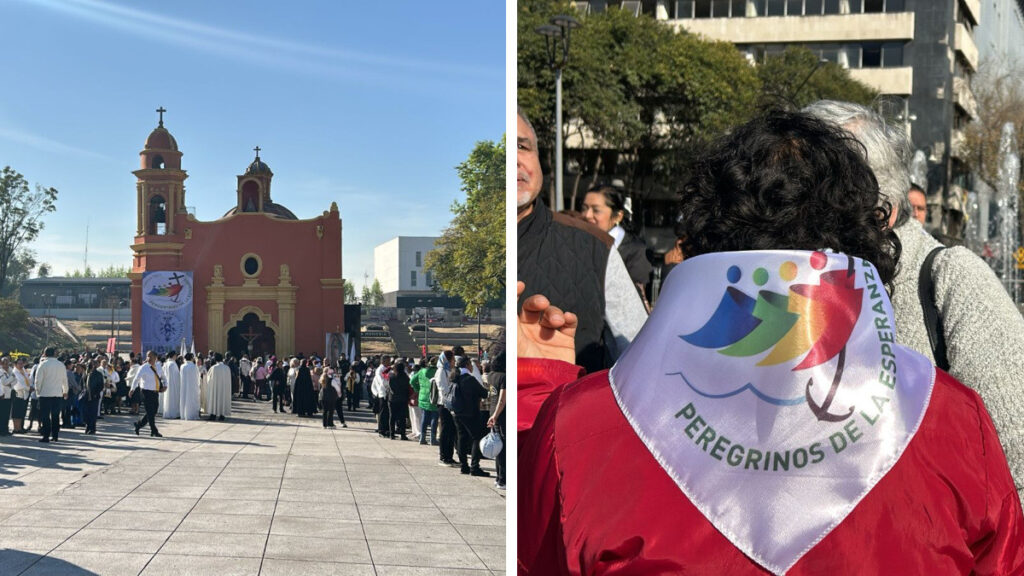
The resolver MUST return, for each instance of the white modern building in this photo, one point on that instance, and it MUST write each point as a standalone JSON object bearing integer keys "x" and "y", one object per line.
{"x": 398, "y": 266}
{"x": 1000, "y": 34}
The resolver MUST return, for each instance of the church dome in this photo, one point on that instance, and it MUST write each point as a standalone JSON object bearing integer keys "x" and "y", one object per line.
{"x": 258, "y": 167}
{"x": 268, "y": 208}
{"x": 161, "y": 139}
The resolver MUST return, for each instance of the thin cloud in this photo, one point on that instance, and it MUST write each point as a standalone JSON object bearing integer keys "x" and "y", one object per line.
{"x": 254, "y": 48}
{"x": 47, "y": 145}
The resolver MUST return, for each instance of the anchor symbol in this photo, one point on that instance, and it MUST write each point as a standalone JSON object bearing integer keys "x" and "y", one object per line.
{"x": 821, "y": 411}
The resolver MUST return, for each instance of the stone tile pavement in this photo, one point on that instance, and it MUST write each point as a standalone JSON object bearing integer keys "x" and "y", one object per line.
{"x": 261, "y": 493}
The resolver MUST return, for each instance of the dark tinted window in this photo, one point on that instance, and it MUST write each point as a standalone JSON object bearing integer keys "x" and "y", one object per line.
{"x": 252, "y": 266}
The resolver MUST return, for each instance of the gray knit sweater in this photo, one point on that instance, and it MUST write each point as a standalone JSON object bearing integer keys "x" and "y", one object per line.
{"x": 984, "y": 331}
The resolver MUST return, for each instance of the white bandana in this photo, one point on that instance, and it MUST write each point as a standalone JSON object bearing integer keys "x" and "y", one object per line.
{"x": 769, "y": 386}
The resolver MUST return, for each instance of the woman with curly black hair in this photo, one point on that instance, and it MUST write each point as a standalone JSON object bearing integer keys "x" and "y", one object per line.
{"x": 787, "y": 181}
{"x": 764, "y": 418}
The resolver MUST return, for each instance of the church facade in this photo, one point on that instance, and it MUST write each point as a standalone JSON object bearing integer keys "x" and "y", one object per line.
{"x": 259, "y": 279}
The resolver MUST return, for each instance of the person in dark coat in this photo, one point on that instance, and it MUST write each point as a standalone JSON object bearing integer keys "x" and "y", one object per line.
{"x": 304, "y": 403}
{"x": 468, "y": 425}
{"x": 400, "y": 390}
{"x": 92, "y": 393}
{"x": 330, "y": 398}
{"x": 279, "y": 384}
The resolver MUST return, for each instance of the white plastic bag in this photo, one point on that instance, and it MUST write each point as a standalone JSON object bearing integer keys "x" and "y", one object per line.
{"x": 491, "y": 445}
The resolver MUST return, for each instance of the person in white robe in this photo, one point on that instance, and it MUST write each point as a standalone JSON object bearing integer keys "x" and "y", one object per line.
{"x": 218, "y": 389}
{"x": 202, "y": 383}
{"x": 172, "y": 397}
{"x": 189, "y": 388}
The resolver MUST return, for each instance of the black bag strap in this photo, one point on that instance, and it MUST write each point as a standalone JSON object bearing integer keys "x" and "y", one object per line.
{"x": 932, "y": 319}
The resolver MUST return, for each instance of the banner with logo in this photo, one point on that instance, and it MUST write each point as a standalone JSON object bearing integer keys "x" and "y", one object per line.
{"x": 769, "y": 386}
{"x": 166, "y": 310}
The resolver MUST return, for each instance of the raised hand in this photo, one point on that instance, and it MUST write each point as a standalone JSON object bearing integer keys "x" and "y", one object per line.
{"x": 544, "y": 330}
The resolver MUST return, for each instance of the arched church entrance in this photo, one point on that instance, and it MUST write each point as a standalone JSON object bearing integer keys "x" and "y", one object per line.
{"x": 251, "y": 336}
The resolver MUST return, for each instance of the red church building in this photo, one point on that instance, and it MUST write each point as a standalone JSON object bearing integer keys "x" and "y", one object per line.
{"x": 260, "y": 280}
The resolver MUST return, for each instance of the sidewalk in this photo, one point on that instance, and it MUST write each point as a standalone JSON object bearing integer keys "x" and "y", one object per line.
{"x": 261, "y": 493}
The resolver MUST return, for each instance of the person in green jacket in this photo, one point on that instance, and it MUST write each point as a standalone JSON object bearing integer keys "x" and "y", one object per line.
{"x": 421, "y": 384}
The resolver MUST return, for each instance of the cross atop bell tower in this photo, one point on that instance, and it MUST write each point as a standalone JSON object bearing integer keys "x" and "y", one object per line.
{"x": 161, "y": 110}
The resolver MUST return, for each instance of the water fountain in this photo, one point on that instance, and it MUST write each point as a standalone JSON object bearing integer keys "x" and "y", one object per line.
{"x": 919, "y": 170}
{"x": 1008, "y": 202}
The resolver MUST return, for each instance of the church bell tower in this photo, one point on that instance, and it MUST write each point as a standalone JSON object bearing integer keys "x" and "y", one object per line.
{"x": 160, "y": 186}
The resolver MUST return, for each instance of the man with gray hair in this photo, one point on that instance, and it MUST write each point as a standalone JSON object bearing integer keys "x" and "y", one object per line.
{"x": 574, "y": 264}
{"x": 983, "y": 331}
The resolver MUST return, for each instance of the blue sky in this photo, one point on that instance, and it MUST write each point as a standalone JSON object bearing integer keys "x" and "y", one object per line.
{"x": 368, "y": 104}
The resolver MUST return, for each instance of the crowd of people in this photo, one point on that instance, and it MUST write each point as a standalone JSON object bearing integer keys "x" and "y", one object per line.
{"x": 820, "y": 386}
{"x": 449, "y": 401}
{"x": 436, "y": 401}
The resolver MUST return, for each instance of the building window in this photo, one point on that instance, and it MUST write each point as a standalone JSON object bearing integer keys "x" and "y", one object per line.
{"x": 794, "y": 7}
{"x": 412, "y": 279}
{"x": 720, "y": 9}
{"x": 703, "y": 9}
{"x": 430, "y": 281}
{"x": 419, "y": 259}
{"x": 251, "y": 265}
{"x": 831, "y": 6}
{"x": 776, "y": 8}
{"x": 892, "y": 55}
{"x": 813, "y": 7}
{"x": 871, "y": 55}
{"x": 158, "y": 163}
{"x": 739, "y": 8}
{"x": 684, "y": 9}
{"x": 631, "y": 6}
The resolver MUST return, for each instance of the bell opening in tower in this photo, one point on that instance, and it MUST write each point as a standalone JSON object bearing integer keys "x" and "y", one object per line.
{"x": 157, "y": 216}
{"x": 250, "y": 196}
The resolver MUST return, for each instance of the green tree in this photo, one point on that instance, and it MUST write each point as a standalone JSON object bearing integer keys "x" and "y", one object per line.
{"x": 796, "y": 78}
{"x": 18, "y": 271}
{"x": 469, "y": 259}
{"x": 367, "y": 297}
{"x": 80, "y": 273}
{"x": 12, "y": 316}
{"x": 113, "y": 272}
{"x": 634, "y": 86}
{"x": 21, "y": 216}
{"x": 376, "y": 294}
{"x": 349, "y": 293}
{"x": 998, "y": 88}
{"x": 44, "y": 270}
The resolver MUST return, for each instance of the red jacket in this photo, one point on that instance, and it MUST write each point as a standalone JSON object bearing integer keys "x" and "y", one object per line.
{"x": 593, "y": 501}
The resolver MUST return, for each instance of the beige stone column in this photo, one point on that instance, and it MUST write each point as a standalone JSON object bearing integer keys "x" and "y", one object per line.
{"x": 285, "y": 313}
{"x": 215, "y": 297}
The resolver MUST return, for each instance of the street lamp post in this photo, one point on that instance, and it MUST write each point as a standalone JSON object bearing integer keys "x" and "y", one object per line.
{"x": 47, "y": 300}
{"x": 479, "y": 347}
{"x": 556, "y": 40}
{"x": 120, "y": 304}
{"x": 819, "y": 64}
{"x": 113, "y": 302}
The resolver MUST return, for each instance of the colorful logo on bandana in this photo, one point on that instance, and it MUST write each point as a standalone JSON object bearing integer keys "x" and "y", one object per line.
{"x": 811, "y": 321}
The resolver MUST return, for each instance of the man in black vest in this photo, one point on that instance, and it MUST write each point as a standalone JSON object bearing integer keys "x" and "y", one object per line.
{"x": 572, "y": 263}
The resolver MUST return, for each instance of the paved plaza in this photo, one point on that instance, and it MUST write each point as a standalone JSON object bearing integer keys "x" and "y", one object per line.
{"x": 262, "y": 493}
